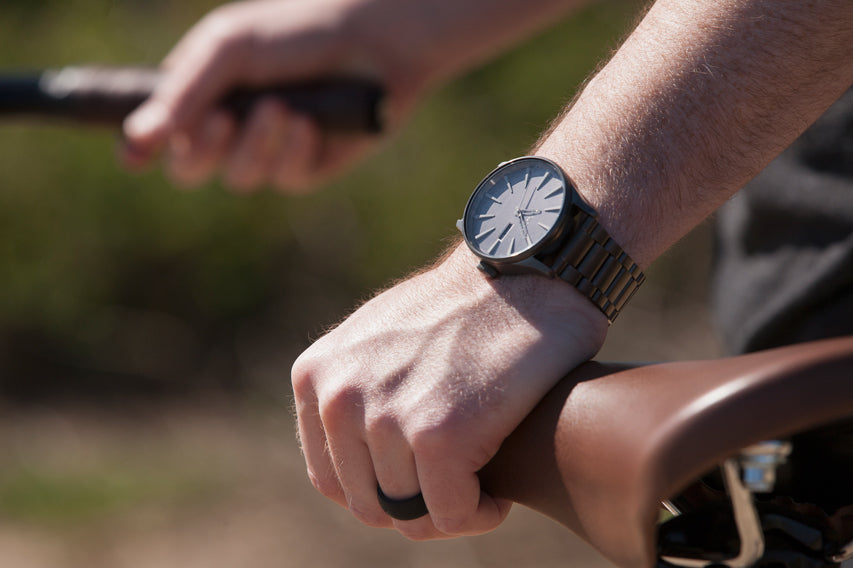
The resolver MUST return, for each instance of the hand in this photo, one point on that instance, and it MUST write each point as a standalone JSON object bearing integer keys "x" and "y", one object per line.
{"x": 419, "y": 387}
{"x": 259, "y": 43}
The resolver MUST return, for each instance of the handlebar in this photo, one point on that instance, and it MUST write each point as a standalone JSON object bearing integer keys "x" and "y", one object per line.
{"x": 106, "y": 95}
{"x": 611, "y": 442}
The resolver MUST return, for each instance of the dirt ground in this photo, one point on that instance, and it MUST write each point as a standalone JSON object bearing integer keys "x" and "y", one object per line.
{"x": 256, "y": 507}
{"x": 220, "y": 484}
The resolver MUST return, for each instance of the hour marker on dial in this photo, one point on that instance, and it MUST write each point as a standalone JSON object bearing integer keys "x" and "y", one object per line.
{"x": 485, "y": 233}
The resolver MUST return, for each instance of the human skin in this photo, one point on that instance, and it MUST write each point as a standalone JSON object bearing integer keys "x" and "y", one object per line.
{"x": 418, "y": 388}
{"x": 408, "y": 46}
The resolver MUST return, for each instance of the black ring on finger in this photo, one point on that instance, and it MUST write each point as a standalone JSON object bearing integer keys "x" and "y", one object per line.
{"x": 407, "y": 509}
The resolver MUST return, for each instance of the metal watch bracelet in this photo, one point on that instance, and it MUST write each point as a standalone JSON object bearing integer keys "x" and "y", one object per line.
{"x": 591, "y": 261}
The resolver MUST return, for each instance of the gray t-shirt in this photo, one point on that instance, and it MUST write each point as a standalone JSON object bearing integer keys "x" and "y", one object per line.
{"x": 783, "y": 270}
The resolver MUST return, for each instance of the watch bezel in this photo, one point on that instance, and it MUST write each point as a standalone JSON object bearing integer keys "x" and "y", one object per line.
{"x": 554, "y": 234}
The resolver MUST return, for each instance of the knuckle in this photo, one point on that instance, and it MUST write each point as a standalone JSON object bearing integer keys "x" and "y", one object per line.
{"x": 219, "y": 24}
{"x": 326, "y": 484}
{"x": 480, "y": 454}
{"x": 381, "y": 426}
{"x": 336, "y": 407}
{"x": 455, "y": 440}
{"x": 223, "y": 33}
{"x": 302, "y": 376}
{"x": 434, "y": 442}
{"x": 416, "y": 531}
{"x": 369, "y": 515}
{"x": 451, "y": 525}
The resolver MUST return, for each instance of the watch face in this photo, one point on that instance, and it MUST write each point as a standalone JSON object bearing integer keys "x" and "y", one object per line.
{"x": 515, "y": 209}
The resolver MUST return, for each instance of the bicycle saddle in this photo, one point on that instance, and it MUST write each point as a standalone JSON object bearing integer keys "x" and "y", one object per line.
{"x": 611, "y": 442}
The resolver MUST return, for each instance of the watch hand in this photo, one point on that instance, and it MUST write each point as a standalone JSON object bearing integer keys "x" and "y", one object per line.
{"x": 524, "y": 230}
{"x": 529, "y": 212}
{"x": 535, "y": 189}
{"x": 527, "y": 196}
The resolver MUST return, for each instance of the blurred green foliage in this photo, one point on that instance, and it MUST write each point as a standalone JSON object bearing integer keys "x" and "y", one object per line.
{"x": 46, "y": 497}
{"x": 110, "y": 280}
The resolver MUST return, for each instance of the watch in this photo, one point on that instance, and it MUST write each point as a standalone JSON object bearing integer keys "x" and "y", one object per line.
{"x": 526, "y": 216}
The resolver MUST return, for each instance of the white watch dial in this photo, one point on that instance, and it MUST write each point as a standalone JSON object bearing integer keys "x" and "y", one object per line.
{"x": 515, "y": 208}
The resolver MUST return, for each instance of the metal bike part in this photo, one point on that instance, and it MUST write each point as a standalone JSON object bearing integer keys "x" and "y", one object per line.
{"x": 752, "y": 471}
{"x": 671, "y": 508}
{"x": 759, "y": 463}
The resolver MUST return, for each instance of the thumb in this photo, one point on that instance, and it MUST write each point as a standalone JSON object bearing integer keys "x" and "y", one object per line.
{"x": 184, "y": 93}
{"x": 147, "y": 129}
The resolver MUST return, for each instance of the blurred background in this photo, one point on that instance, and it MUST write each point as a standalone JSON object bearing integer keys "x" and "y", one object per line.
{"x": 147, "y": 333}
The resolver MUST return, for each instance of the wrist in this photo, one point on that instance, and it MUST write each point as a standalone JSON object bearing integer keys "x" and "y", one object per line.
{"x": 526, "y": 217}
{"x": 549, "y": 305}
{"x": 625, "y": 225}
{"x": 394, "y": 42}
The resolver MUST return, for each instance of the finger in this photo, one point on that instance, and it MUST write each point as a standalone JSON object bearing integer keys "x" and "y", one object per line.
{"x": 355, "y": 472}
{"x": 190, "y": 85}
{"x": 312, "y": 157}
{"x": 248, "y": 44}
{"x": 194, "y": 157}
{"x": 257, "y": 146}
{"x": 405, "y": 509}
{"x": 456, "y": 503}
{"x": 334, "y": 154}
{"x": 133, "y": 157}
{"x": 146, "y": 131}
{"x": 295, "y": 166}
{"x": 312, "y": 439}
{"x": 397, "y": 475}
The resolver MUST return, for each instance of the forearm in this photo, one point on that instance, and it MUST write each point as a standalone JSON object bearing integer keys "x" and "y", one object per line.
{"x": 417, "y": 390}
{"x": 698, "y": 100}
{"x": 437, "y": 39}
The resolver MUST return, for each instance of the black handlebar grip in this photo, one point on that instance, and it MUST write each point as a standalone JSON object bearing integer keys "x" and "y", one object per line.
{"x": 105, "y": 95}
